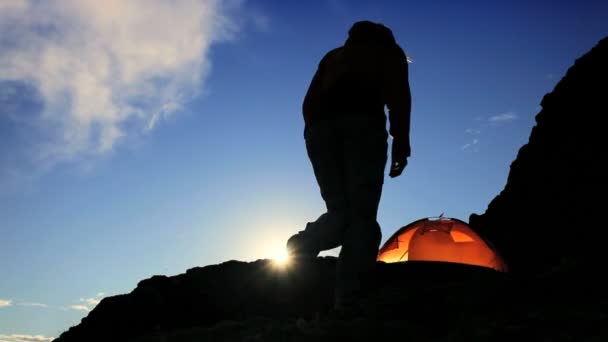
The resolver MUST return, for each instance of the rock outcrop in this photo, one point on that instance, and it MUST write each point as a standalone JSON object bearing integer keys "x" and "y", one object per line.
{"x": 204, "y": 296}
{"x": 418, "y": 301}
{"x": 551, "y": 209}
{"x": 238, "y": 300}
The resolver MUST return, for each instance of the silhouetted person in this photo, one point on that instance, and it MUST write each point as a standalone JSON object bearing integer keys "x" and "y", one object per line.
{"x": 346, "y": 141}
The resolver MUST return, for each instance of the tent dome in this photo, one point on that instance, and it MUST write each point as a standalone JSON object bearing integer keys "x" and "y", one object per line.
{"x": 440, "y": 239}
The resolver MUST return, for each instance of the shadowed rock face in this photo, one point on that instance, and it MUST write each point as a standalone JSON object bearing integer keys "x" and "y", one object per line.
{"x": 203, "y": 296}
{"x": 244, "y": 295}
{"x": 547, "y": 223}
{"x": 417, "y": 301}
{"x": 551, "y": 209}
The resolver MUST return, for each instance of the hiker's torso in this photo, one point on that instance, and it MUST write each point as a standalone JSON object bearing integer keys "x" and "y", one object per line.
{"x": 352, "y": 82}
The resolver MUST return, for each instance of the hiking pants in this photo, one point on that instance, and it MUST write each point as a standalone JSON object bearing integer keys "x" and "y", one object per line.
{"x": 348, "y": 155}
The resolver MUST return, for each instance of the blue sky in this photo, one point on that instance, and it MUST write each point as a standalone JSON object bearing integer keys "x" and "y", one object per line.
{"x": 140, "y": 142}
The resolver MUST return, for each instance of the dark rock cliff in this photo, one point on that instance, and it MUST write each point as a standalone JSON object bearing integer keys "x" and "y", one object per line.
{"x": 551, "y": 210}
{"x": 235, "y": 301}
{"x": 203, "y": 296}
{"x": 418, "y": 301}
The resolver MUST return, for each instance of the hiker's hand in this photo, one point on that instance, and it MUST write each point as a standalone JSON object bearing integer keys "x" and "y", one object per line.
{"x": 397, "y": 168}
{"x": 399, "y": 156}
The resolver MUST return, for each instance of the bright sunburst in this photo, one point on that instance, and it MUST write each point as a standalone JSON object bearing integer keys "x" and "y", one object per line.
{"x": 279, "y": 256}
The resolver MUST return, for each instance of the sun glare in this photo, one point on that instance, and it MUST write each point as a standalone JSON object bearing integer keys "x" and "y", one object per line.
{"x": 279, "y": 256}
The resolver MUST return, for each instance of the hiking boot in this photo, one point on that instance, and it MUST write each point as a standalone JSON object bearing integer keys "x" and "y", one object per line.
{"x": 301, "y": 246}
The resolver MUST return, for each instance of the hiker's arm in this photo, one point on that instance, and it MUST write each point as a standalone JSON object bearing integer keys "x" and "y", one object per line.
{"x": 399, "y": 104}
{"x": 312, "y": 100}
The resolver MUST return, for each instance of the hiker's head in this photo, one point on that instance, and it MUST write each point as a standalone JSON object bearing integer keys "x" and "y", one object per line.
{"x": 369, "y": 32}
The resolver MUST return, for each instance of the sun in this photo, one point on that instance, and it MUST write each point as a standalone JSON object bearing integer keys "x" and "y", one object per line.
{"x": 279, "y": 256}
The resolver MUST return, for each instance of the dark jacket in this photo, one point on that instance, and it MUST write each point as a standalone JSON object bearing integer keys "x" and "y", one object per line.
{"x": 359, "y": 78}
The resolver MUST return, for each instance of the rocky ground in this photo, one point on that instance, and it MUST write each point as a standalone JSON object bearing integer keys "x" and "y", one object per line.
{"x": 418, "y": 301}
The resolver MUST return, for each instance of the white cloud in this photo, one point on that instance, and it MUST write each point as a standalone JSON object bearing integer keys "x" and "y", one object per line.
{"x": 471, "y": 144}
{"x": 5, "y": 303}
{"x": 40, "y": 305}
{"x": 24, "y": 338}
{"x": 79, "y": 307}
{"x": 90, "y": 301}
{"x": 491, "y": 122}
{"x": 87, "y": 304}
{"x": 106, "y": 72}
{"x": 509, "y": 116}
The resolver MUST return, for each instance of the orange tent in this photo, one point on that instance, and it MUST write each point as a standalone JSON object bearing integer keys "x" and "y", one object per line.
{"x": 441, "y": 239}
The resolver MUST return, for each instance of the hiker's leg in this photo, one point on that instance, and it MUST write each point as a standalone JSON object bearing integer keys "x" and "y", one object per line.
{"x": 365, "y": 156}
{"x": 325, "y": 154}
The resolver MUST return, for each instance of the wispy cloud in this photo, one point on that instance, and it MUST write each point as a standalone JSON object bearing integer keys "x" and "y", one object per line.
{"x": 470, "y": 145}
{"x": 481, "y": 124}
{"x": 504, "y": 117}
{"x": 90, "y": 301}
{"x": 79, "y": 307}
{"x": 87, "y": 304}
{"x": 104, "y": 73}
{"x": 24, "y": 338}
{"x": 40, "y": 305}
{"x": 7, "y": 302}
